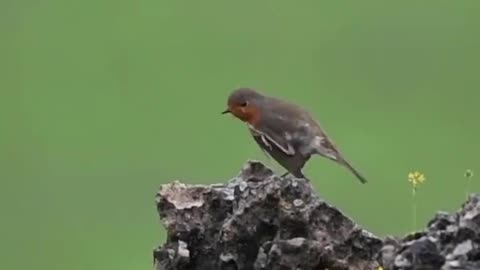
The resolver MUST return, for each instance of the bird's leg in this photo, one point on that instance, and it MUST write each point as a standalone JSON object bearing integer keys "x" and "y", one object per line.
{"x": 264, "y": 140}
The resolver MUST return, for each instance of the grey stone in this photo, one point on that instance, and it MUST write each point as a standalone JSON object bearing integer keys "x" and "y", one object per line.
{"x": 259, "y": 221}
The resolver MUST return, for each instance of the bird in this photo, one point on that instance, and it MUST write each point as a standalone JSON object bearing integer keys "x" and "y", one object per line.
{"x": 284, "y": 131}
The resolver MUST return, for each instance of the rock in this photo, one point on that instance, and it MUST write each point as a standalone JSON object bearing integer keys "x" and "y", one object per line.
{"x": 450, "y": 241}
{"x": 421, "y": 254}
{"x": 259, "y": 221}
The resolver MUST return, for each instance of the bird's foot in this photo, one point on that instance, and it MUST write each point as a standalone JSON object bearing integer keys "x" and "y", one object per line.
{"x": 302, "y": 176}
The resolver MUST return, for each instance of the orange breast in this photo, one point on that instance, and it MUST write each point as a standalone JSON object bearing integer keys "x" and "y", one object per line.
{"x": 249, "y": 114}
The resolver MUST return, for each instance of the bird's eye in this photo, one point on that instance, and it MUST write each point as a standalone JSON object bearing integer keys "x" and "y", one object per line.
{"x": 244, "y": 104}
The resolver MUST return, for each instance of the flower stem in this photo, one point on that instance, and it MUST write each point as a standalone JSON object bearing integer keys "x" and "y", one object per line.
{"x": 414, "y": 210}
{"x": 468, "y": 189}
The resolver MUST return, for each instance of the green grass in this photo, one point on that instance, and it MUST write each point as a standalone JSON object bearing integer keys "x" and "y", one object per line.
{"x": 103, "y": 101}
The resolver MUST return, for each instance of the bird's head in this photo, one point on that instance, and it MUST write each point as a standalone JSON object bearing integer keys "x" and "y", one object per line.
{"x": 244, "y": 103}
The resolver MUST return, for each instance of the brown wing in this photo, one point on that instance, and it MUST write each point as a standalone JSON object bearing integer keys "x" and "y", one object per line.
{"x": 284, "y": 125}
{"x": 291, "y": 119}
{"x": 292, "y": 163}
{"x": 271, "y": 137}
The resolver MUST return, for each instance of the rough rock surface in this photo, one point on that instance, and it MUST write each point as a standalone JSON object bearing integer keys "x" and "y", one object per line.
{"x": 259, "y": 221}
{"x": 450, "y": 241}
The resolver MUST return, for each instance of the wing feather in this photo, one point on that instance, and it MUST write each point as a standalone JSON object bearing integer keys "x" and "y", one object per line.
{"x": 269, "y": 137}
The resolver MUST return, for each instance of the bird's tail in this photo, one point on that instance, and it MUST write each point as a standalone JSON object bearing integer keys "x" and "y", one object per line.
{"x": 329, "y": 150}
{"x": 353, "y": 170}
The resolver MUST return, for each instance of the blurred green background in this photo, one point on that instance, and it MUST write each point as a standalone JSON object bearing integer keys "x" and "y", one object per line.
{"x": 103, "y": 101}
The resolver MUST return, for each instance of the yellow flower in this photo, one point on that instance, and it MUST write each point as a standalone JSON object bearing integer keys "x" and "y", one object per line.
{"x": 380, "y": 268}
{"x": 468, "y": 173}
{"x": 416, "y": 178}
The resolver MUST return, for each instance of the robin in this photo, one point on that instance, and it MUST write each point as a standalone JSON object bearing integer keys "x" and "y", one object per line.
{"x": 284, "y": 131}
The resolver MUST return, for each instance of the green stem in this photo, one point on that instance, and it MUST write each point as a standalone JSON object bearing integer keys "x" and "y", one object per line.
{"x": 468, "y": 188}
{"x": 414, "y": 210}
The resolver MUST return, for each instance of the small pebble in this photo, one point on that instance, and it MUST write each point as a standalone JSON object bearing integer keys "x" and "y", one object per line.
{"x": 297, "y": 242}
{"x": 183, "y": 250}
{"x": 297, "y": 202}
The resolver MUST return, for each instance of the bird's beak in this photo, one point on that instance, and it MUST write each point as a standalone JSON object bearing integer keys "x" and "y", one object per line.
{"x": 226, "y": 111}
